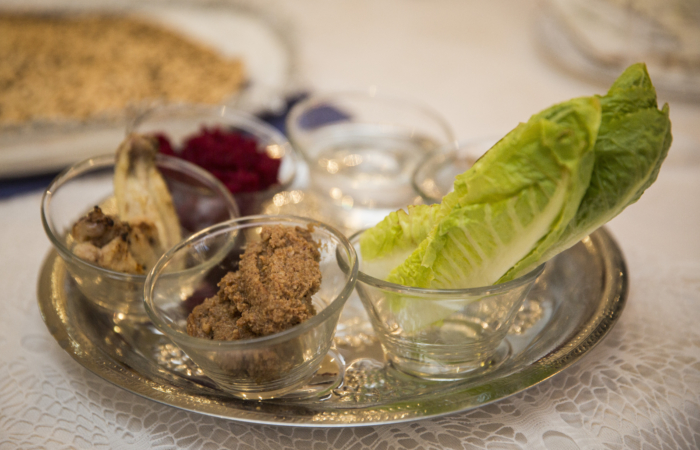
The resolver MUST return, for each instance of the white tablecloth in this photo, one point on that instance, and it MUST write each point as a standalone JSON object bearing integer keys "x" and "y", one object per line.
{"x": 477, "y": 64}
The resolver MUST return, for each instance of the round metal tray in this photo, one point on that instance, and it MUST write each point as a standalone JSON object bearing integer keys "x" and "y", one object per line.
{"x": 572, "y": 306}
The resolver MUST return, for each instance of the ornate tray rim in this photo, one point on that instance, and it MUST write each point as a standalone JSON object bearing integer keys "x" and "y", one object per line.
{"x": 609, "y": 307}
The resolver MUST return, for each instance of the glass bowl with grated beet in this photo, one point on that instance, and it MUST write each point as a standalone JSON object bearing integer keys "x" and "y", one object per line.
{"x": 251, "y": 158}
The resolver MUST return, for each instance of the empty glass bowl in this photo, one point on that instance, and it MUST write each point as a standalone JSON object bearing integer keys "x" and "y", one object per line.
{"x": 200, "y": 201}
{"x": 180, "y": 122}
{"x": 442, "y": 334}
{"x": 361, "y": 149}
{"x": 261, "y": 367}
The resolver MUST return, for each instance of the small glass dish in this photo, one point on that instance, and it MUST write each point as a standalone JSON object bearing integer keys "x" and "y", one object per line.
{"x": 200, "y": 201}
{"x": 179, "y": 122}
{"x": 442, "y": 334}
{"x": 362, "y": 149}
{"x": 434, "y": 177}
{"x": 262, "y": 367}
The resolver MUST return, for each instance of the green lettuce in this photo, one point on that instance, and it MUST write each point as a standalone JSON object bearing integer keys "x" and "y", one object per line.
{"x": 388, "y": 243}
{"x": 538, "y": 191}
{"x": 522, "y": 192}
{"x": 633, "y": 141}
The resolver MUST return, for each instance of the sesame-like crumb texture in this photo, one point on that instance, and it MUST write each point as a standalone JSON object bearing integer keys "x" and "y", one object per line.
{"x": 80, "y": 66}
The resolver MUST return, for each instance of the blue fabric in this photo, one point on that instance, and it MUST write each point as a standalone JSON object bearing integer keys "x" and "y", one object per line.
{"x": 321, "y": 115}
{"x": 18, "y": 186}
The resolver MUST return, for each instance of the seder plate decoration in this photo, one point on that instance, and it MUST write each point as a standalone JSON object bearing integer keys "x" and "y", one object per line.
{"x": 571, "y": 308}
{"x": 257, "y": 35}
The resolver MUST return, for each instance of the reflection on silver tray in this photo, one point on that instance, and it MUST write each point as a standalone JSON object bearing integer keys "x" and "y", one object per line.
{"x": 572, "y": 307}
{"x": 258, "y": 36}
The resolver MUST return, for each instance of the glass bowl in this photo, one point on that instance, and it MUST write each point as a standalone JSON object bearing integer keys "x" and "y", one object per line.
{"x": 261, "y": 367}
{"x": 442, "y": 334}
{"x": 199, "y": 199}
{"x": 179, "y": 122}
{"x": 435, "y": 175}
{"x": 362, "y": 149}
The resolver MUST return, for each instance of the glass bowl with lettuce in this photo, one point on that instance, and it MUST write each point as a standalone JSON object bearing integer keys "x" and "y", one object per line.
{"x": 443, "y": 282}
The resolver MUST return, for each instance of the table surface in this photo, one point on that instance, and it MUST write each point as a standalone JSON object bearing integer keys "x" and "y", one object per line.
{"x": 477, "y": 63}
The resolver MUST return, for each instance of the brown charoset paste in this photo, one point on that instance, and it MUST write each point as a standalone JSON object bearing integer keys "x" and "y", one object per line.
{"x": 270, "y": 292}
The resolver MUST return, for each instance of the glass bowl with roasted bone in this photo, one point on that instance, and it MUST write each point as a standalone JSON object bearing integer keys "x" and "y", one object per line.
{"x": 110, "y": 218}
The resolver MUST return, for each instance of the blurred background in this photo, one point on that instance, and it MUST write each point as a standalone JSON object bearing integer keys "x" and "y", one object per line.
{"x": 484, "y": 67}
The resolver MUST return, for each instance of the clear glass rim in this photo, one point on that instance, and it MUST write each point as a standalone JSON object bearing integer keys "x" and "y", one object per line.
{"x": 240, "y": 223}
{"x": 437, "y": 159}
{"x": 104, "y": 162}
{"x": 475, "y": 291}
{"x": 299, "y": 108}
{"x": 246, "y": 121}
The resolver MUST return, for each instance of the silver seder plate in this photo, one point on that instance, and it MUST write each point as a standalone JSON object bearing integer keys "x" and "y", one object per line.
{"x": 571, "y": 308}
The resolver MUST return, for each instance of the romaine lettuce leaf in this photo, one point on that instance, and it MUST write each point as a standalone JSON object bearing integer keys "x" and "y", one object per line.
{"x": 519, "y": 196}
{"x": 633, "y": 140}
{"x": 392, "y": 240}
{"x": 546, "y": 185}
